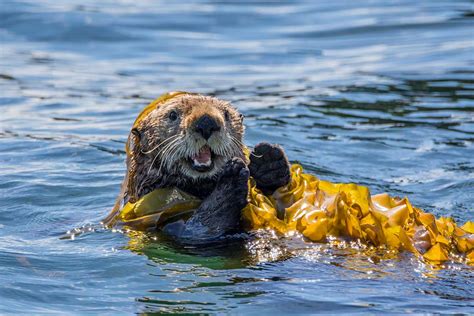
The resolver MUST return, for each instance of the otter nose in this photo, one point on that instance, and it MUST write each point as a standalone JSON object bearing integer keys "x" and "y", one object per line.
{"x": 206, "y": 125}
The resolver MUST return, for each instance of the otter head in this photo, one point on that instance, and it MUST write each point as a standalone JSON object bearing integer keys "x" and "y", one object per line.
{"x": 184, "y": 140}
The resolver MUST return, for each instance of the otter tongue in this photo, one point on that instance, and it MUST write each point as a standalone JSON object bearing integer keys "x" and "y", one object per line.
{"x": 203, "y": 157}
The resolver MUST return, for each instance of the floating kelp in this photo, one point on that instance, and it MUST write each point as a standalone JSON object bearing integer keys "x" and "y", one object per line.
{"x": 320, "y": 210}
{"x": 154, "y": 210}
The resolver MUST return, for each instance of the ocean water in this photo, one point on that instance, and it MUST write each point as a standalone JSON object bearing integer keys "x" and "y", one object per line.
{"x": 379, "y": 93}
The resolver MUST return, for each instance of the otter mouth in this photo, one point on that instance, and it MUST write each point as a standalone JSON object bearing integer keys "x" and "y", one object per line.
{"x": 203, "y": 161}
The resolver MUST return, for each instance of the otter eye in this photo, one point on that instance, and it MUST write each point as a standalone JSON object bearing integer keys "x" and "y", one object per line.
{"x": 173, "y": 116}
{"x": 227, "y": 115}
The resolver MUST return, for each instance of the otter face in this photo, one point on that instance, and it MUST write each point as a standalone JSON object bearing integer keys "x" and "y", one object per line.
{"x": 191, "y": 136}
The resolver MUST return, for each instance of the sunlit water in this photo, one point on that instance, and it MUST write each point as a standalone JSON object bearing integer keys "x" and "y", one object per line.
{"x": 379, "y": 93}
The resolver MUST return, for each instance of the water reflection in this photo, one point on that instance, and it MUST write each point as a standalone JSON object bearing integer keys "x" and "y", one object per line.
{"x": 228, "y": 254}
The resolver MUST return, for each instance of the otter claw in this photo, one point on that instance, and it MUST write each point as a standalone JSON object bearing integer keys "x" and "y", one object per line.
{"x": 269, "y": 167}
{"x": 234, "y": 167}
{"x": 234, "y": 180}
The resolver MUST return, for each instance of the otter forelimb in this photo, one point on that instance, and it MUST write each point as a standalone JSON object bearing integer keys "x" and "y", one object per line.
{"x": 219, "y": 213}
{"x": 269, "y": 167}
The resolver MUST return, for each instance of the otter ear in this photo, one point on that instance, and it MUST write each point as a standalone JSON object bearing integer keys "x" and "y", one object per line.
{"x": 134, "y": 139}
{"x": 136, "y": 132}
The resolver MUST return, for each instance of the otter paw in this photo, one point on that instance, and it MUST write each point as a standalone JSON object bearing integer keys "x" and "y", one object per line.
{"x": 233, "y": 182}
{"x": 269, "y": 167}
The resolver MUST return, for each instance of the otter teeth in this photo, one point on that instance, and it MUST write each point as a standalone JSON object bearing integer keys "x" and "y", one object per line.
{"x": 203, "y": 158}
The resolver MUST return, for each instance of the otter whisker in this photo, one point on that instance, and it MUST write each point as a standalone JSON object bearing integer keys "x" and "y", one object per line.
{"x": 165, "y": 152}
{"x": 162, "y": 150}
{"x": 168, "y": 147}
{"x": 174, "y": 154}
{"x": 154, "y": 148}
{"x": 168, "y": 155}
{"x": 171, "y": 155}
{"x": 238, "y": 144}
{"x": 220, "y": 149}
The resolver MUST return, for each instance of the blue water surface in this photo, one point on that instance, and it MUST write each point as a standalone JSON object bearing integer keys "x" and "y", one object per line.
{"x": 379, "y": 93}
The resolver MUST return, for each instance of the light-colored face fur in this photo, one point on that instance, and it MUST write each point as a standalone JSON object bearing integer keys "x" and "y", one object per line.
{"x": 162, "y": 145}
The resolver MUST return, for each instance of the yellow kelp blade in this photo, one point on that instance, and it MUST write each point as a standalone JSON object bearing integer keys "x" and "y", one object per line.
{"x": 157, "y": 208}
{"x": 318, "y": 209}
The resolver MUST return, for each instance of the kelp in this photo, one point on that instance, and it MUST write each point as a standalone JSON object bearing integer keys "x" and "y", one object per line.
{"x": 154, "y": 210}
{"x": 319, "y": 210}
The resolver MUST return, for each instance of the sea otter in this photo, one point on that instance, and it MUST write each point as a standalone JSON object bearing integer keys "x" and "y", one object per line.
{"x": 195, "y": 143}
